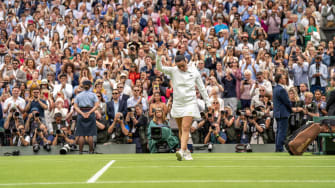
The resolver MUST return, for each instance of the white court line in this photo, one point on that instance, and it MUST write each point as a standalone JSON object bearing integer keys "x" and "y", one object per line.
{"x": 100, "y": 172}
{"x": 169, "y": 181}
{"x": 224, "y": 166}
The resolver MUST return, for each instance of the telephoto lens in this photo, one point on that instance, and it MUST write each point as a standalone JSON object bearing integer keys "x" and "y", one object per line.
{"x": 47, "y": 147}
{"x": 65, "y": 149}
{"x": 36, "y": 148}
{"x": 58, "y": 131}
{"x": 210, "y": 147}
{"x": 16, "y": 114}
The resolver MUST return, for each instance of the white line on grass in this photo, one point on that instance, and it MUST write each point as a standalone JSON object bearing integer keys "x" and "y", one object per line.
{"x": 169, "y": 181}
{"x": 100, "y": 172}
{"x": 224, "y": 166}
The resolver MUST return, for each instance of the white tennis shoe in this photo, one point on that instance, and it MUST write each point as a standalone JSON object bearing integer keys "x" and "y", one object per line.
{"x": 187, "y": 156}
{"x": 180, "y": 155}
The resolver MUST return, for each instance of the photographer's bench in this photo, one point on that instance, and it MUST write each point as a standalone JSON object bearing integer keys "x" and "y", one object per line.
{"x": 325, "y": 141}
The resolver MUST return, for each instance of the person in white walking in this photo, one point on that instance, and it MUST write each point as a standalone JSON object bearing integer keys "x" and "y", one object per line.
{"x": 184, "y": 107}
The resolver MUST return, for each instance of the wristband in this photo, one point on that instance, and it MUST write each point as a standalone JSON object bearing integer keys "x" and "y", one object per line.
{"x": 217, "y": 136}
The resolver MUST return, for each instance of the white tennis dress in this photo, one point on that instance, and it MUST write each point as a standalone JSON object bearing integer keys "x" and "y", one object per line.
{"x": 184, "y": 92}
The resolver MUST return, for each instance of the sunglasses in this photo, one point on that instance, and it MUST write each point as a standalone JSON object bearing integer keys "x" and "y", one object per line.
{"x": 115, "y": 93}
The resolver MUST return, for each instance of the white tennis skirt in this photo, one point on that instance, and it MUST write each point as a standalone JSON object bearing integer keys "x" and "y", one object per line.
{"x": 179, "y": 111}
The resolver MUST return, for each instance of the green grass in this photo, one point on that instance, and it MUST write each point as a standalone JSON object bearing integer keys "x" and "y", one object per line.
{"x": 162, "y": 170}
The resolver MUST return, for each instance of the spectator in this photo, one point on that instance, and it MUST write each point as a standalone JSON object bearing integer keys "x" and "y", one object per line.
{"x": 36, "y": 103}
{"x": 63, "y": 87}
{"x": 138, "y": 123}
{"x": 318, "y": 75}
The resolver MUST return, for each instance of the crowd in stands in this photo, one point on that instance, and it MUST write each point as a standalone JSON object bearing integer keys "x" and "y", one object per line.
{"x": 48, "y": 47}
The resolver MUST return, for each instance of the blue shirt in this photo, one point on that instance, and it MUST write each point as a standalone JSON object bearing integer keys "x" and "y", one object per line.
{"x": 300, "y": 74}
{"x": 35, "y": 104}
{"x": 116, "y": 107}
{"x": 86, "y": 99}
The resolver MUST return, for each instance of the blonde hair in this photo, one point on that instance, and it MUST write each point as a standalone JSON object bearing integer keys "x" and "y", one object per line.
{"x": 308, "y": 94}
{"x": 294, "y": 90}
{"x": 163, "y": 115}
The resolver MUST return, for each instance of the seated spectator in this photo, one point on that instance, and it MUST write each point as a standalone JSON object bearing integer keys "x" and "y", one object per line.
{"x": 137, "y": 99}
{"x": 159, "y": 121}
{"x": 155, "y": 101}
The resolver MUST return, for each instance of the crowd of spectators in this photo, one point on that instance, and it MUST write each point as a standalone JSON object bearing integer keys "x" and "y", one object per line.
{"x": 47, "y": 48}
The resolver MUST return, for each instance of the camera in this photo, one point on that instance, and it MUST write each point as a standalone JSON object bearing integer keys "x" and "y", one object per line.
{"x": 132, "y": 48}
{"x": 241, "y": 113}
{"x": 14, "y": 130}
{"x": 67, "y": 148}
{"x": 38, "y": 130}
{"x": 37, "y": 114}
{"x": 245, "y": 82}
{"x": 309, "y": 106}
{"x": 16, "y": 114}
{"x": 294, "y": 57}
{"x": 47, "y": 147}
{"x": 210, "y": 115}
{"x": 131, "y": 109}
{"x": 36, "y": 148}
{"x": 210, "y": 147}
{"x": 120, "y": 117}
{"x": 213, "y": 127}
{"x": 156, "y": 133}
{"x": 202, "y": 115}
{"x": 224, "y": 112}
{"x": 257, "y": 114}
{"x": 58, "y": 131}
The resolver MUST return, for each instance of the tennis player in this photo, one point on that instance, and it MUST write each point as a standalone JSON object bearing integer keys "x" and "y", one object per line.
{"x": 184, "y": 107}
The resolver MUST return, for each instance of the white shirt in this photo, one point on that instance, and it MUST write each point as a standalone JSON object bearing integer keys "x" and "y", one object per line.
{"x": 18, "y": 102}
{"x": 184, "y": 84}
{"x": 67, "y": 91}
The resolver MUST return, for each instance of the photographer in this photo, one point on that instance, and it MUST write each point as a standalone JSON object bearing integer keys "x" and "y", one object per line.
{"x": 13, "y": 120}
{"x": 41, "y": 136}
{"x": 228, "y": 126}
{"x": 19, "y": 137}
{"x": 33, "y": 121}
{"x": 255, "y": 128}
{"x": 118, "y": 130}
{"x": 214, "y": 135}
{"x": 296, "y": 117}
{"x": 63, "y": 136}
{"x": 310, "y": 109}
{"x": 242, "y": 124}
{"x": 138, "y": 123}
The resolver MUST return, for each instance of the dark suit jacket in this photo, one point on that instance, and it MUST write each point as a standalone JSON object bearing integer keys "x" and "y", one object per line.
{"x": 331, "y": 104}
{"x": 209, "y": 64}
{"x": 124, "y": 98}
{"x": 111, "y": 111}
{"x": 281, "y": 103}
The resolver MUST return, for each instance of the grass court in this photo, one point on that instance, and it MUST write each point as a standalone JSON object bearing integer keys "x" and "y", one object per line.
{"x": 163, "y": 170}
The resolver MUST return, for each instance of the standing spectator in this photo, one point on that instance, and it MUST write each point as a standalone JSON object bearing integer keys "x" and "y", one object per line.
{"x": 281, "y": 111}
{"x": 318, "y": 75}
{"x": 299, "y": 70}
{"x": 63, "y": 87}
{"x": 36, "y": 103}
